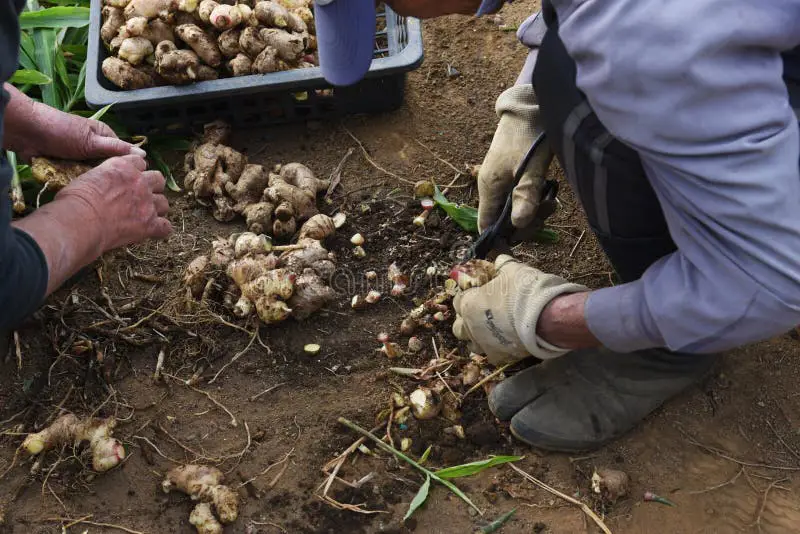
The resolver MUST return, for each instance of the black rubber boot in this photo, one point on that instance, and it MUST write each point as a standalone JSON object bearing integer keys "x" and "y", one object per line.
{"x": 587, "y": 398}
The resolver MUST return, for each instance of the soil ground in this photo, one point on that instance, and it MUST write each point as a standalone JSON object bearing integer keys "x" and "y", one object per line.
{"x": 725, "y": 452}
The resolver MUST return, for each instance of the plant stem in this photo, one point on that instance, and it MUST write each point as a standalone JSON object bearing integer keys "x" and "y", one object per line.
{"x": 388, "y": 448}
{"x": 17, "y": 198}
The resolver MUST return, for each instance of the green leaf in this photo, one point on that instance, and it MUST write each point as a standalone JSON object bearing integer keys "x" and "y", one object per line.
{"x": 466, "y": 470}
{"x": 546, "y": 235}
{"x": 45, "y": 43}
{"x": 83, "y": 3}
{"x": 27, "y": 56}
{"x": 162, "y": 166}
{"x": 78, "y": 93}
{"x": 452, "y": 487}
{"x": 495, "y": 525}
{"x": 30, "y": 77}
{"x": 419, "y": 498}
{"x": 97, "y": 115}
{"x": 424, "y": 457}
{"x": 464, "y": 216}
{"x": 55, "y": 17}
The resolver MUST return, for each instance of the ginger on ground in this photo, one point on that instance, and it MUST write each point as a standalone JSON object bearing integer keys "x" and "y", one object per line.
{"x": 211, "y": 167}
{"x": 258, "y": 216}
{"x": 204, "y": 520}
{"x": 310, "y": 295}
{"x": 318, "y": 227}
{"x": 107, "y": 452}
{"x": 205, "y": 484}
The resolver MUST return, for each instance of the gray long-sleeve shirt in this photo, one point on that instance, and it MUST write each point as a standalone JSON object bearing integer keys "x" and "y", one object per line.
{"x": 697, "y": 88}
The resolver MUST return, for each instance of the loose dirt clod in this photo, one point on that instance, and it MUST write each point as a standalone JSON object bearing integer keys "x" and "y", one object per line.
{"x": 205, "y": 484}
{"x": 107, "y": 451}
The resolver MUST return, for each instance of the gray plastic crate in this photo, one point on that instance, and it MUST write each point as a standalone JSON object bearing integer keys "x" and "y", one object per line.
{"x": 261, "y": 99}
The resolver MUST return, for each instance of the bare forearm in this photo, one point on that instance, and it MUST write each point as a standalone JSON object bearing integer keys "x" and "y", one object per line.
{"x": 65, "y": 232}
{"x": 562, "y": 323}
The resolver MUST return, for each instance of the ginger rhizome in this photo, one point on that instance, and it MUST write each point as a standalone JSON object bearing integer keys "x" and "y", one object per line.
{"x": 173, "y": 42}
{"x": 107, "y": 451}
{"x": 274, "y": 282}
{"x": 218, "y": 503}
{"x": 274, "y": 203}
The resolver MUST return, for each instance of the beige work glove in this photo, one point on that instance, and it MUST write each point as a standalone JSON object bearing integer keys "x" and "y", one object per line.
{"x": 519, "y": 113}
{"x": 500, "y": 317}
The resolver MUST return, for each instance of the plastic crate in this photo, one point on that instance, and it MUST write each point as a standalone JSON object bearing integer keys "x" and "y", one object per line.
{"x": 261, "y": 99}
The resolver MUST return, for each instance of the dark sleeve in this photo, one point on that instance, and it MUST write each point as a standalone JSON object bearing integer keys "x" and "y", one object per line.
{"x": 23, "y": 267}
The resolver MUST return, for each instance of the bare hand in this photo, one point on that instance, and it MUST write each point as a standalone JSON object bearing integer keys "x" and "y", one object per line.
{"x": 126, "y": 200}
{"x": 35, "y": 129}
{"x": 63, "y": 135}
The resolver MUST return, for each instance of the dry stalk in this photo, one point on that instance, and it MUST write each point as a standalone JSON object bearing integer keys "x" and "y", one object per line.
{"x": 259, "y": 395}
{"x": 584, "y": 508}
{"x": 85, "y": 521}
{"x": 235, "y": 357}
{"x": 480, "y": 384}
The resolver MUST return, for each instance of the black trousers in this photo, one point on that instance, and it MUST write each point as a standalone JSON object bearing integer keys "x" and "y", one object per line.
{"x": 605, "y": 175}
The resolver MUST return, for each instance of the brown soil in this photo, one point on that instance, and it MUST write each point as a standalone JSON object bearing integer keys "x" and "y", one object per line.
{"x": 747, "y": 411}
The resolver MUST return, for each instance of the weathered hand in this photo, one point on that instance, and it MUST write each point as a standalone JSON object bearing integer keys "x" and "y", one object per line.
{"x": 125, "y": 199}
{"x": 51, "y": 132}
{"x": 516, "y": 131}
{"x": 501, "y": 317}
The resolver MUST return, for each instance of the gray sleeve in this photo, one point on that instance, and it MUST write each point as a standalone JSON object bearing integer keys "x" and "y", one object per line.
{"x": 530, "y": 33}
{"x": 704, "y": 105}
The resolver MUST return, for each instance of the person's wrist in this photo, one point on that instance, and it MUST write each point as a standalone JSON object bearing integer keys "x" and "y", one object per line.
{"x": 561, "y": 322}
{"x": 83, "y": 213}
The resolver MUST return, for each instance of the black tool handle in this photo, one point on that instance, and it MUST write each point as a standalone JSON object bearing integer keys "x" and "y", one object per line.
{"x": 502, "y": 227}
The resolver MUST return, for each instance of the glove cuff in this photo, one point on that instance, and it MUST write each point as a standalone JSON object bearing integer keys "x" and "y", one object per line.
{"x": 518, "y": 110}
{"x": 528, "y": 305}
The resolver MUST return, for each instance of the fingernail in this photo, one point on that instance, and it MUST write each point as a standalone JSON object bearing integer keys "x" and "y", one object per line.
{"x": 136, "y": 151}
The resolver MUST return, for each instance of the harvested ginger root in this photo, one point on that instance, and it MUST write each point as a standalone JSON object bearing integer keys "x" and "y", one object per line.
{"x": 203, "y": 483}
{"x": 274, "y": 203}
{"x": 272, "y": 286}
{"x": 56, "y": 173}
{"x": 107, "y": 451}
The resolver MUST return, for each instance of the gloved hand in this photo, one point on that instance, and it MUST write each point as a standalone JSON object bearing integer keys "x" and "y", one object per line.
{"x": 500, "y": 317}
{"x": 519, "y": 113}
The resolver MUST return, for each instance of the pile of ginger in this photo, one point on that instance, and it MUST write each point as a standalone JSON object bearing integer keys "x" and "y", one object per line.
{"x": 274, "y": 282}
{"x": 173, "y": 42}
{"x": 273, "y": 203}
